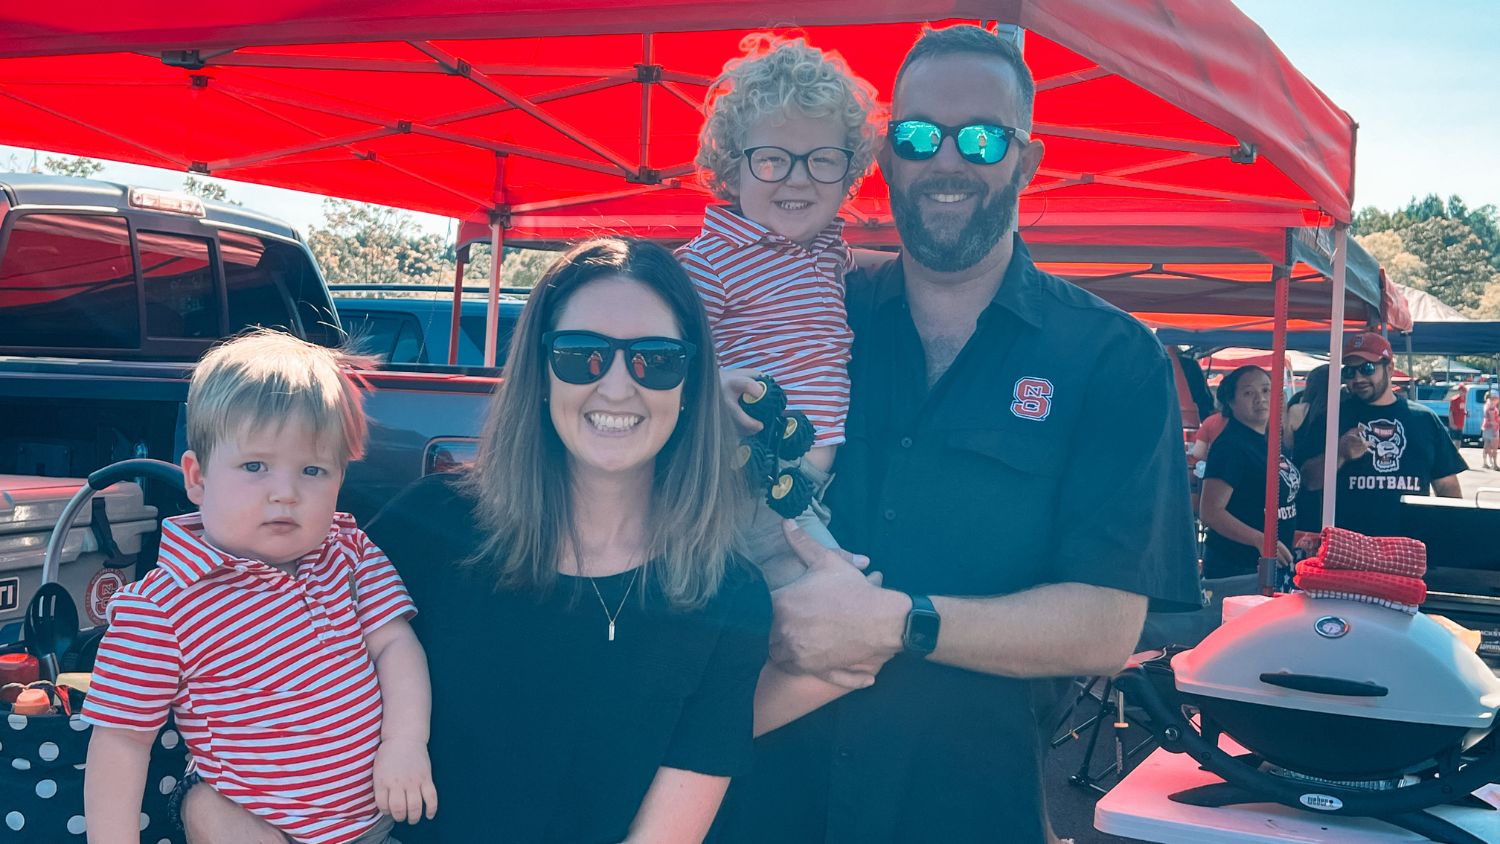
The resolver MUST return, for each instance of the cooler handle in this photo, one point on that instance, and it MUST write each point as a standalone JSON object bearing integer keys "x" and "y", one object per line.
{"x": 112, "y": 474}
{"x": 1325, "y": 685}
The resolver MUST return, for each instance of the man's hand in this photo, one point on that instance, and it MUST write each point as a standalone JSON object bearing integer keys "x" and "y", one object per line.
{"x": 1284, "y": 554}
{"x": 736, "y": 383}
{"x": 833, "y": 621}
{"x": 403, "y": 781}
{"x": 209, "y": 817}
{"x": 1352, "y": 446}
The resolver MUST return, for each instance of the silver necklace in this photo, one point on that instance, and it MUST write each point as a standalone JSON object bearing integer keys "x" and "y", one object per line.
{"x": 616, "y": 614}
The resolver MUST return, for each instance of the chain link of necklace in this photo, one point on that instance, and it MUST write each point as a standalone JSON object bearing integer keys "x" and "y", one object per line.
{"x": 634, "y": 573}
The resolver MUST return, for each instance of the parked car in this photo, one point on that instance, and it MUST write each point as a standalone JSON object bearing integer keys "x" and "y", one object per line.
{"x": 108, "y": 296}
{"x": 1434, "y": 397}
{"x": 416, "y": 331}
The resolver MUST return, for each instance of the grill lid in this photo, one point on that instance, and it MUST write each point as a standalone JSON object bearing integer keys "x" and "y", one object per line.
{"x": 1343, "y": 658}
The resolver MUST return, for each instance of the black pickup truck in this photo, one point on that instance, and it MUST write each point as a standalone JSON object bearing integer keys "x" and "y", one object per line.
{"x": 108, "y": 294}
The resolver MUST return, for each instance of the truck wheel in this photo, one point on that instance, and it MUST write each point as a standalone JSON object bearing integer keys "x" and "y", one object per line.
{"x": 797, "y": 435}
{"x": 790, "y": 493}
{"x": 757, "y": 461}
{"x": 768, "y": 405}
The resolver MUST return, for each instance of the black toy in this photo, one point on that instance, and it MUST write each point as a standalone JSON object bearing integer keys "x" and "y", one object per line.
{"x": 771, "y": 457}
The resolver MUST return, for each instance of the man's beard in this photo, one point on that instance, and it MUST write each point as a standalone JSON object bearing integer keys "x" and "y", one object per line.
{"x": 989, "y": 222}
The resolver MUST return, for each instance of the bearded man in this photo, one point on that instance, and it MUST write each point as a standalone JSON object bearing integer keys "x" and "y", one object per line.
{"x": 1014, "y": 471}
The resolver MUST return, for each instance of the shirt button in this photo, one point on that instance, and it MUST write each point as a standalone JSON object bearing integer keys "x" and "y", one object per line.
{"x": 845, "y": 753}
{"x": 890, "y": 515}
{"x": 906, "y": 442}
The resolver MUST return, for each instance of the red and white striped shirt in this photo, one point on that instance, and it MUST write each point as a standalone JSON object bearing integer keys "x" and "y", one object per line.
{"x": 778, "y": 307}
{"x": 266, "y": 673}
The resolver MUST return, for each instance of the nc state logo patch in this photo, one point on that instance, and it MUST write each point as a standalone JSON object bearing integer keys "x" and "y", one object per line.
{"x": 1033, "y": 399}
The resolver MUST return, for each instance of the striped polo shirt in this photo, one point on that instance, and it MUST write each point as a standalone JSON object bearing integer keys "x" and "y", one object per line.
{"x": 266, "y": 673}
{"x": 778, "y": 307}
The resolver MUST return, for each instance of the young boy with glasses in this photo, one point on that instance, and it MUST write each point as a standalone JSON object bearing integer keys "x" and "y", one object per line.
{"x": 788, "y": 137}
{"x": 273, "y": 629}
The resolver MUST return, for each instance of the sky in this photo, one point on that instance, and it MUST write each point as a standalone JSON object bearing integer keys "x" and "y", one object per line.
{"x": 1422, "y": 79}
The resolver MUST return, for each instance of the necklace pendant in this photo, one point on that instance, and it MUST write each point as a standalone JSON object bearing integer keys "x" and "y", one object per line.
{"x": 611, "y": 631}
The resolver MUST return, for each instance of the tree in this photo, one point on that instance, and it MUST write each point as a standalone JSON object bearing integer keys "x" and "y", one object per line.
{"x": 1458, "y": 265}
{"x": 83, "y": 168}
{"x": 1401, "y": 266}
{"x": 1489, "y": 302}
{"x": 207, "y": 188}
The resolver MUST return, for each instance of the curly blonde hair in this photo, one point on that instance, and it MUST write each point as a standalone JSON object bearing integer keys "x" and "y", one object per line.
{"x": 777, "y": 76}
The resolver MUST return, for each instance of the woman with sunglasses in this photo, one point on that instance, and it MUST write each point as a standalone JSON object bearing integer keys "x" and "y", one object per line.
{"x": 594, "y": 647}
{"x": 1233, "y": 501}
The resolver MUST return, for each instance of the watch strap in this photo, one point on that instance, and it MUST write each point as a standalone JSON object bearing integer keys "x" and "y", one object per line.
{"x": 922, "y": 626}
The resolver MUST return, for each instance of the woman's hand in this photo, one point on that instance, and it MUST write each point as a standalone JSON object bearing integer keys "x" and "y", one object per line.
{"x": 403, "y": 781}
{"x": 736, "y": 383}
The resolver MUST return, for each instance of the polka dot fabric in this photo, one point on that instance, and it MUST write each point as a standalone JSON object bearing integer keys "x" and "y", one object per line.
{"x": 41, "y": 780}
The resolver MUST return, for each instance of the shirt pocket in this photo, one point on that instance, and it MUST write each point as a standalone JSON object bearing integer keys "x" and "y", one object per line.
{"x": 1004, "y": 487}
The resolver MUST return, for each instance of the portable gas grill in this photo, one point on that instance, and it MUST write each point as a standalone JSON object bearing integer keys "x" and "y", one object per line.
{"x": 1345, "y": 708}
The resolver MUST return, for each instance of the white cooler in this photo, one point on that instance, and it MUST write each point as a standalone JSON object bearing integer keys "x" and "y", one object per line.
{"x": 29, "y": 507}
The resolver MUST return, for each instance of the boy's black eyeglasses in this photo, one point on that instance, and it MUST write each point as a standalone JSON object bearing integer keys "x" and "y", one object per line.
{"x": 978, "y": 143}
{"x": 583, "y": 357}
{"x": 1367, "y": 368}
{"x": 828, "y": 165}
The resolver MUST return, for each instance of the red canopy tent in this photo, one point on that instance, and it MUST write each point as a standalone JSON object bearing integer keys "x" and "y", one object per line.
{"x": 549, "y": 120}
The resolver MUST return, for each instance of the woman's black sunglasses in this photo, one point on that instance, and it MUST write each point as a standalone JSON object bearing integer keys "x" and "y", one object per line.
{"x": 1350, "y": 370}
{"x": 583, "y": 357}
{"x": 978, "y": 143}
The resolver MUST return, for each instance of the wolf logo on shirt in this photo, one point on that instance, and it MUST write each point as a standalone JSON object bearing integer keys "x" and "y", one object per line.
{"x": 1387, "y": 441}
{"x": 1291, "y": 477}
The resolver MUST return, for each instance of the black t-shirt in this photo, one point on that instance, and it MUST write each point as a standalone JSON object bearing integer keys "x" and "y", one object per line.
{"x": 1238, "y": 458}
{"x": 1050, "y": 452}
{"x": 543, "y": 730}
{"x": 1408, "y": 449}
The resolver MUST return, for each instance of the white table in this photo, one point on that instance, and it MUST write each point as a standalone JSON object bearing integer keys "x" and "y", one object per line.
{"x": 1138, "y": 808}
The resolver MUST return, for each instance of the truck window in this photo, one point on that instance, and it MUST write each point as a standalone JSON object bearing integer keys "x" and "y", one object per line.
{"x": 264, "y": 279}
{"x": 67, "y": 281}
{"x": 181, "y": 297}
{"x": 394, "y": 338}
{"x": 471, "y": 352}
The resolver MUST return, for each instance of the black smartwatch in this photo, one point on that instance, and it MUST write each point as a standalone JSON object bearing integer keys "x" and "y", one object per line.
{"x": 922, "y": 623}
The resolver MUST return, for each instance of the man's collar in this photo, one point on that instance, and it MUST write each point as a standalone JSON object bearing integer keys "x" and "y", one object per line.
{"x": 739, "y": 231}
{"x": 189, "y": 558}
{"x": 1018, "y": 293}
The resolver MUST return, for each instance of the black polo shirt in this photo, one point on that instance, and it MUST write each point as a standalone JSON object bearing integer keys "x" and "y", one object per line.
{"x": 1051, "y": 451}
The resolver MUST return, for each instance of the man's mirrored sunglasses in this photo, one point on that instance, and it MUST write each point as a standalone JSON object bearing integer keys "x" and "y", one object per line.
{"x": 978, "y": 143}
{"x": 583, "y": 357}
{"x": 1366, "y": 369}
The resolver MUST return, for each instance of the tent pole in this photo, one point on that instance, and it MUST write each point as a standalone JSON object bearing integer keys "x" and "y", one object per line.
{"x": 492, "y": 310}
{"x": 1269, "y": 537}
{"x": 1335, "y": 358}
{"x": 458, "y": 300}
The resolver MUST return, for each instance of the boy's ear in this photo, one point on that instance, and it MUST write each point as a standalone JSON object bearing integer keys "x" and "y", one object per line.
{"x": 192, "y": 477}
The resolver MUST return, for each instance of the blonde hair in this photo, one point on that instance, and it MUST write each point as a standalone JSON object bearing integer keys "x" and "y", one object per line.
{"x": 265, "y": 377}
{"x": 520, "y": 480}
{"x": 777, "y": 76}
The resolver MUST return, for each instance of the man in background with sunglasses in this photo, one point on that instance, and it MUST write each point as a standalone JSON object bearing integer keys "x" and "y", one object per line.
{"x": 1014, "y": 471}
{"x": 1390, "y": 446}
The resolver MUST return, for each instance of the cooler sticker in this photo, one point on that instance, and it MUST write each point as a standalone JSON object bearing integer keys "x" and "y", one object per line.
{"x": 102, "y": 587}
{"x": 10, "y": 594}
{"x": 1033, "y": 399}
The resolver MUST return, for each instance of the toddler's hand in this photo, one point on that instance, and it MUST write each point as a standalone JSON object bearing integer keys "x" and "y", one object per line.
{"x": 736, "y": 383}
{"x": 403, "y": 781}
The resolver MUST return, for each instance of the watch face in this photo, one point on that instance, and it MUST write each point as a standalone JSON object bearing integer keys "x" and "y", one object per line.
{"x": 922, "y": 631}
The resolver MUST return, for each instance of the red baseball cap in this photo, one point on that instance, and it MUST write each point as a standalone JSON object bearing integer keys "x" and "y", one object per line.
{"x": 1367, "y": 346}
